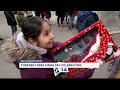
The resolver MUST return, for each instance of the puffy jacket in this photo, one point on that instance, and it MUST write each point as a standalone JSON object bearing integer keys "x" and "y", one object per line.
{"x": 85, "y": 21}
{"x": 16, "y": 53}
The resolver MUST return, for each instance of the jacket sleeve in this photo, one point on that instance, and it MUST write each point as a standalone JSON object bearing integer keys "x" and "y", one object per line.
{"x": 56, "y": 44}
{"x": 91, "y": 19}
{"x": 9, "y": 16}
{"x": 84, "y": 75}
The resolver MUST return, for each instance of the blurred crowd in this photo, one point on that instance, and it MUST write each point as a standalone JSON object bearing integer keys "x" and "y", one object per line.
{"x": 84, "y": 18}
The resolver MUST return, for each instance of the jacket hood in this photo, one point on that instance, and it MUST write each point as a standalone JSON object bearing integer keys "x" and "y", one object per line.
{"x": 83, "y": 14}
{"x": 16, "y": 53}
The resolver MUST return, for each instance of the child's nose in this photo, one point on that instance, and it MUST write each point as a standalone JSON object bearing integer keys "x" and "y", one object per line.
{"x": 51, "y": 35}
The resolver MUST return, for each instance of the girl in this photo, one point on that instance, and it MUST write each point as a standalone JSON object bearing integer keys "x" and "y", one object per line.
{"x": 34, "y": 43}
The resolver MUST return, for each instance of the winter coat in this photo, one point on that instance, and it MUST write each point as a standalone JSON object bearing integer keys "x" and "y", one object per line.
{"x": 10, "y": 18}
{"x": 20, "y": 17}
{"x": 42, "y": 13}
{"x": 16, "y": 53}
{"x": 37, "y": 13}
{"x": 70, "y": 13}
{"x": 60, "y": 13}
{"x": 86, "y": 20}
{"x": 48, "y": 14}
{"x": 75, "y": 13}
{"x": 114, "y": 68}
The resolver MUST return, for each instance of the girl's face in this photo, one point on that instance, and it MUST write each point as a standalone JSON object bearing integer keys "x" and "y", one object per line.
{"x": 45, "y": 40}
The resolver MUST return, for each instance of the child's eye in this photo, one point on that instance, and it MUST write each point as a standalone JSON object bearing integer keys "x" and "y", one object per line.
{"x": 46, "y": 34}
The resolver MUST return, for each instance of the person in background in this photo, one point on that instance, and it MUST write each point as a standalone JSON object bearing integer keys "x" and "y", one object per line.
{"x": 29, "y": 13}
{"x": 43, "y": 14}
{"x": 114, "y": 66}
{"x": 15, "y": 12}
{"x": 37, "y": 13}
{"x": 85, "y": 19}
{"x": 60, "y": 17}
{"x": 72, "y": 15}
{"x": 75, "y": 13}
{"x": 70, "y": 19}
{"x": 48, "y": 16}
{"x": 20, "y": 17}
{"x": 66, "y": 16}
{"x": 11, "y": 21}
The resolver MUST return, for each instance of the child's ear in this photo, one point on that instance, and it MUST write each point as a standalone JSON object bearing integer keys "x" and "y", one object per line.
{"x": 32, "y": 42}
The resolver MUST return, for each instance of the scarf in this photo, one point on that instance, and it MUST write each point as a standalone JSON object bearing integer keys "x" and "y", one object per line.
{"x": 22, "y": 43}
